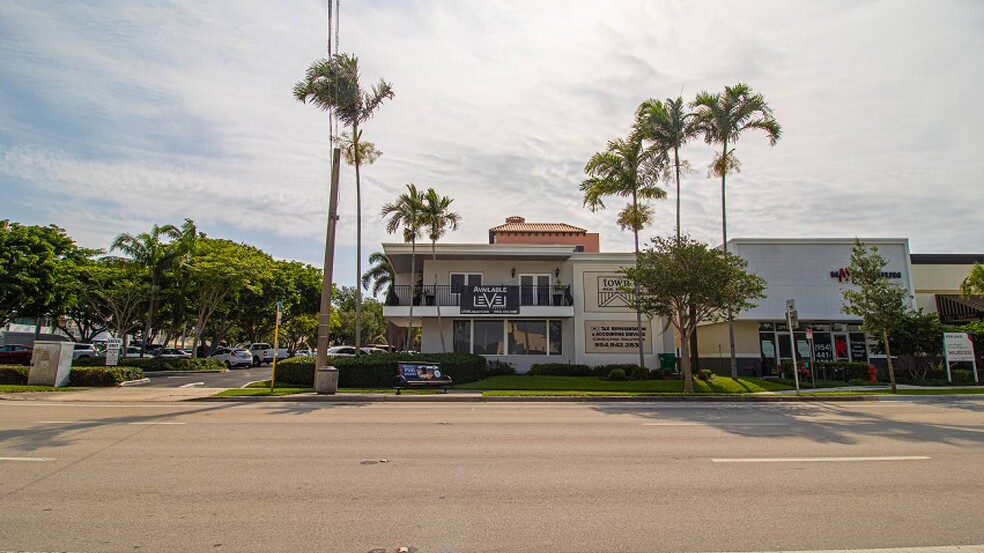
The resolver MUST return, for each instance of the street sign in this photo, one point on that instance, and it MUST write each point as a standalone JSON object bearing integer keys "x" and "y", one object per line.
{"x": 793, "y": 321}
{"x": 809, "y": 334}
{"x": 113, "y": 347}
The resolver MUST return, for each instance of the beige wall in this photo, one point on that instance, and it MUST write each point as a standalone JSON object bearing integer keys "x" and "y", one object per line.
{"x": 929, "y": 280}
{"x": 710, "y": 337}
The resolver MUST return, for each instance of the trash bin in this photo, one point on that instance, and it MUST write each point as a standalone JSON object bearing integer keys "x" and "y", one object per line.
{"x": 51, "y": 364}
{"x": 326, "y": 380}
{"x": 667, "y": 361}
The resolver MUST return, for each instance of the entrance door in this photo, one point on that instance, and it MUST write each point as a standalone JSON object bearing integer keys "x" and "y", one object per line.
{"x": 534, "y": 289}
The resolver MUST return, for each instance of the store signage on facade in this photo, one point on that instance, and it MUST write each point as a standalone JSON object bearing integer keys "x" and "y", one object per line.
{"x": 611, "y": 292}
{"x": 490, "y": 300}
{"x": 616, "y": 337}
{"x": 844, "y": 274}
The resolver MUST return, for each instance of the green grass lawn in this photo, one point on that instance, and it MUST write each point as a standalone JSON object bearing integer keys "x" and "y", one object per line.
{"x": 19, "y": 388}
{"x": 579, "y": 385}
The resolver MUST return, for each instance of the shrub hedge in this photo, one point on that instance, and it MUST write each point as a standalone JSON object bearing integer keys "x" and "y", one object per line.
{"x": 562, "y": 369}
{"x": 159, "y": 364}
{"x": 80, "y": 376}
{"x": 379, "y": 370}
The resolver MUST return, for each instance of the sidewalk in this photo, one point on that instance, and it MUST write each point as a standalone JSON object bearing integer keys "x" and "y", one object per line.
{"x": 131, "y": 394}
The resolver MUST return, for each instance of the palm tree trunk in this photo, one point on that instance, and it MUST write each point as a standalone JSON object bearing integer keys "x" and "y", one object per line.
{"x": 152, "y": 312}
{"x": 676, "y": 162}
{"x": 635, "y": 233}
{"x": 358, "y": 241}
{"x": 888, "y": 357}
{"x": 413, "y": 290}
{"x": 724, "y": 235}
{"x": 437, "y": 299}
{"x": 685, "y": 361}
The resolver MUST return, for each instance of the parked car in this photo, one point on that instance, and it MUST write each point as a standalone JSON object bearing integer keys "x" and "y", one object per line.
{"x": 134, "y": 351}
{"x": 172, "y": 353}
{"x": 16, "y": 354}
{"x": 233, "y": 357}
{"x": 263, "y": 353}
{"x": 304, "y": 353}
{"x": 349, "y": 351}
{"x": 84, "y": 351}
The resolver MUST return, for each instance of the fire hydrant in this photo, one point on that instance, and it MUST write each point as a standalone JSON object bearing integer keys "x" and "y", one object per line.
{"x": 872, "y": 374}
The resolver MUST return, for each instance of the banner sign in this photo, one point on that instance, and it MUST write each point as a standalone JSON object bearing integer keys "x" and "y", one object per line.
{"x": 420, "y": 371}
{"x": 616, "y": 337}
{"x": 490, "y": 300}
{"x": 612, "y": 293}
{"x": 958, "y": 347}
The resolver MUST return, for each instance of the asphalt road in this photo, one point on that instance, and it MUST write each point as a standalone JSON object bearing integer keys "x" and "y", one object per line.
{"x": 490, "y": 477}
{"x": 233, "y": 378}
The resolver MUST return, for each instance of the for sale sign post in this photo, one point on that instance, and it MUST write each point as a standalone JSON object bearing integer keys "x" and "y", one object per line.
{"x": 958, "y": 348}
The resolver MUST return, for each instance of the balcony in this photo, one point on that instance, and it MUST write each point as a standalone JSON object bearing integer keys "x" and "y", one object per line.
{"x": 538, "y": 301}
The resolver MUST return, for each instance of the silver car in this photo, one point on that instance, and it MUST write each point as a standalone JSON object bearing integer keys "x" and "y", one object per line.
{"x": 84, "y": 351}
{"x": 233, "y": 357}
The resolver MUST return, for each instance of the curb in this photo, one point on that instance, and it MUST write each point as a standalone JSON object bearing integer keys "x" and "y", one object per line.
{"x": 389, "y": 398}
{"x": 134, "y": 382}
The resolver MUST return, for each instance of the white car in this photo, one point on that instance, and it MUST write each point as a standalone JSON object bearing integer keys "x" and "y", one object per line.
{"x": 172, "y": 353}
{"x": 233, "y": 357}
{"x": 83, "y": 351}
{"x": 349, "y": 351}
{"x": 263, "y": 353}
{"x": 304, "y": 353}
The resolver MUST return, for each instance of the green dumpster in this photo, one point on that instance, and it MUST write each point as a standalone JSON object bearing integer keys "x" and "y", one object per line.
{"x": 667, "y": 361}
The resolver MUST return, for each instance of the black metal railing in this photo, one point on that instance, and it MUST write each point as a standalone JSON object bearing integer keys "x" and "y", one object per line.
{"x": 450, "y": 295}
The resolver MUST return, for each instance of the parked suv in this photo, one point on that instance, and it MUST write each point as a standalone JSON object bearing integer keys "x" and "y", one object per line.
{"x": 263, "y": 353}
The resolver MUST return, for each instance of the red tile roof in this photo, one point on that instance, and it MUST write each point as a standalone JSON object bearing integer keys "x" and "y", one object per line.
{"x": 538, "y": 227}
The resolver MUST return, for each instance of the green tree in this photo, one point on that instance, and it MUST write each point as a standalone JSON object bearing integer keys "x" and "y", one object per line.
{"x": 973, "y": 285}
{"x": 881, "y": 305}
{"x": 917, "y": 342}
{"x": 669, "y": 126}
{"x": 219, "y": 273}
{"x": 438, "y": 220}
{"x": 81, "y": 320}
{"x": 153, "y": 251}
{"x": 722, "y": 118}
{"x": 333, "y": 85}
{"x": 345, "y": 305}
{"x": 380, "y": 275}
{"x": 174, "y": 289}
{"x": 118, "y": 293}
{"x": 629, "y": 170}
{"x": 38, "y": 270}
{"x": 689, "y": 283}
{"x": 300, "y": 329}
{"x": 407, "y": 212}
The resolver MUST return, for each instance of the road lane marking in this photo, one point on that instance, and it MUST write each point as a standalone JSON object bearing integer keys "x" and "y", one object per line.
{"x": 191, "y": 385}
{"x": 819, "y": 459}
{"x": 28, "y": 459}
{"x": 152, "y": 423}
{"x": 715, "y": 424}
{"x": 111, "y": 423}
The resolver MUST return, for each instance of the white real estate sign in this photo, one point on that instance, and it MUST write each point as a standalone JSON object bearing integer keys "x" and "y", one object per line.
{"x": 958, "y": 348}
{"x": 113, "y": 347}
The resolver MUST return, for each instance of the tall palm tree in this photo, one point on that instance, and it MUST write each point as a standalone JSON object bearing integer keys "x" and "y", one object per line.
{"x": 407, "y": 212}
{"x": 669, "y": 126}
{"x": 380, "y": 274}
{"x": 333, "y": 85}
{"x": 151, "y": 252}
{"x": 438, "y": 219}
{"x": 973, "y": 285}
{"x": 722, "y": 118}
{"x": 626, "y": 169}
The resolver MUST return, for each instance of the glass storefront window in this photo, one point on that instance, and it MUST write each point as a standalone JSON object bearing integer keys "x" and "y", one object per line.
{"x": 823, "y": 350}
{"x": 488, "y": 338}
{"x": 556, "y": 338}
{"x": 528, "y": 337}
{"x": 462, "y": 336}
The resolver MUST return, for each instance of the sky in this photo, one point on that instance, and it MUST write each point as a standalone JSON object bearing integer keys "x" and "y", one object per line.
{"x": 118, "y": 115}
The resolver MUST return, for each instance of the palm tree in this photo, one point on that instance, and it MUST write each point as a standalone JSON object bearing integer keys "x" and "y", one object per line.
{"x": 151, "y": 252}
{"x": 407, "y": 211}
{"x": 669, "y": 126}
{"x": 438, "y": 219}
{"x": 333, "y": 85}
{"x": 626, "y": 169}
{"x": 721, "y": 118}
{"x": 380, "y": 274}
{"x": 973, "y": 285}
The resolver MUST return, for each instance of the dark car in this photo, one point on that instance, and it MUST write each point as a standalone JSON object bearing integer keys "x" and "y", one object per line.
{"x": 16, "y": 354}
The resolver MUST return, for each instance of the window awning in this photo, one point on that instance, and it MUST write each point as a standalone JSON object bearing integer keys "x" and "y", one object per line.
{"x": 956, "y": 308}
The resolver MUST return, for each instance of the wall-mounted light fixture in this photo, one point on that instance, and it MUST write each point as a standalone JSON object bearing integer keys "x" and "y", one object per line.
{"x": 557, "y": 272}
{"x": 514, "y": 272}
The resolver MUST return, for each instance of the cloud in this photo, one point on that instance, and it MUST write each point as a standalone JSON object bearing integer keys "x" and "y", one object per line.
{"x": 117, "y": 116}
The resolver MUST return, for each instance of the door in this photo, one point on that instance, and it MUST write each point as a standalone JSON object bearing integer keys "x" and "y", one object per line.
{"x": 459, "y": 281}
{"x": 534, "y": 289}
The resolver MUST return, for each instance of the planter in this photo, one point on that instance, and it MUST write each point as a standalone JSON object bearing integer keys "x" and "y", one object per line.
{"x": 558, "y": 299}
{"x": 429, "y": 299}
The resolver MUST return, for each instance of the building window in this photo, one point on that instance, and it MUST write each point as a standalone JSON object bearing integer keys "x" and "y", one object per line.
{"x": 488, "y": 338}
{"x": 460, "y": 280}
{"x": 508, "y": 337}
{"x": 528, "y": 337}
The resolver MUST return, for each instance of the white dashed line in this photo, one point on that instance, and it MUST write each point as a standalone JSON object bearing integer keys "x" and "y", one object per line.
{"x": 27, "y": 459}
